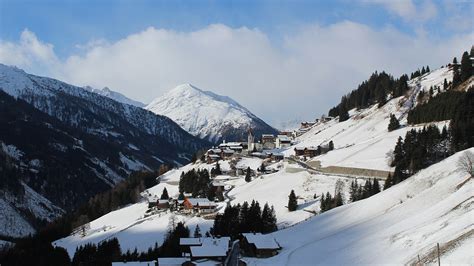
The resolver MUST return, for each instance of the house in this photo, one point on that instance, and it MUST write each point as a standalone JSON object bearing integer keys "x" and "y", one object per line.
{"x": 199, "y": 205}
{"x": 205, "y": 248}
{"x": 268, "y": 141}
{"x": 259, "y": 245}
{"x": 282, "y": 141}
{"x": 235, "y": 146}
{"x": 227, "y": 153}
{"x": 299, "y": 151}
{"x": 307, "y": 124}
{"x": 310, "y": 151}
{"x": 277, "y": 156}
{"x": 163, "y": 204}
{"x": 213, "y": 155}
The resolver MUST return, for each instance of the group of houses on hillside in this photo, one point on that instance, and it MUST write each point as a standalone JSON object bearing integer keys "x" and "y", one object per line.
{"x": 262, "y": 147}
{"x": 310, "y": 152}
{"x": 195, "y": 206}
{"x": 218, "y": 249}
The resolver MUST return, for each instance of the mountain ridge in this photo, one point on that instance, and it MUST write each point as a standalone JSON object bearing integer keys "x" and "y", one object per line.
{"x": 208, "y": 115}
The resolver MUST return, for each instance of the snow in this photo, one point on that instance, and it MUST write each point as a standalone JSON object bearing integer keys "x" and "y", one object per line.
{"x": 202, "y": 113}
{"x": 114, "y": 96}
{"x": 261, "y": 241}
{"x": 363, "y": 141}
{"x": 211, "y": 247}
{"x": 394, "y": 226}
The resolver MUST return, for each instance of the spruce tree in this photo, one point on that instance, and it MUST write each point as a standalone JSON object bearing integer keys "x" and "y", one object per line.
{"x": 268, "y": 219}
{"x": 331, "y": 145}
{"x": 343, "y": 114}
{"x": 456, "y": 74}
{"x": 466, "y": 67}
{"x": 164, "y": 194}
{"x": 292, "y": 201}
{"x": 393, "y": 124}
{"x": 248, "y": 177}
{"x": 197, "y": 231}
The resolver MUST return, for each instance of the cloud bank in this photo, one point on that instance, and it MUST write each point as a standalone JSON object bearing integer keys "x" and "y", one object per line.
{"x": 299, "y": 76}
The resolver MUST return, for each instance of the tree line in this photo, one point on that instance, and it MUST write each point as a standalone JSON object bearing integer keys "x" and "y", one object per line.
{"x": 374, "y": 90}
{"x": 360, "y": 192}
{"x": 196, "y": 182}
{"x": 417, "y": 151}
{"x": 245, "y": 218}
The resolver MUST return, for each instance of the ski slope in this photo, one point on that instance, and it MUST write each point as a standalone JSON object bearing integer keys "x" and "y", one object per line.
{"x": 392, "y": 227}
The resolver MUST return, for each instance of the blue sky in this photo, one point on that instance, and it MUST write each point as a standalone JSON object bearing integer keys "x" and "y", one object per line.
{"x": 68, "y": 39}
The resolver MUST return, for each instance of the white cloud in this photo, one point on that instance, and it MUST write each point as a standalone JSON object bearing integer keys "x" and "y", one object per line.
{"x": 29, "y": 53}
{"x": 301, "y": 77}
{"x": 408, "y": 10}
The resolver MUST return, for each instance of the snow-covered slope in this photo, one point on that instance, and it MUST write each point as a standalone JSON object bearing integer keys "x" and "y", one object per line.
{"x": 363, "y": 141}
{"x": 115, "y": 96}
{"x": 392, "y": 227}
{"x": 208, "y": 115}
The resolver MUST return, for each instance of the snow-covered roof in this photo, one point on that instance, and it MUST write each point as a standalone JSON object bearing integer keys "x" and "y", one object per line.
{"x": 214, "y": 150}
{"x": 206, "y": 204}
{"x": 189, "y": 241}
{"x": 261, "y": 241}
{"x": 199, "y": 201}
{"x": 218, "y": 183}
{"x": 211, "y": 247}
{"x": 161, "y": 201}
{"x": 267, "y": 136}
{"x": 214, "y": 156}
{"x": 229, "y": 151}
{"x": 170, "y": 261}
{"x": 230, "y": 144}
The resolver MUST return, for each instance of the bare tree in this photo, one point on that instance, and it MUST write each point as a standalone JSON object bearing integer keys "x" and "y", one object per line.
{"x": 466, "y": 163}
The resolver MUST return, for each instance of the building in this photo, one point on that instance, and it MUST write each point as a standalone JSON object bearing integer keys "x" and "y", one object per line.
{"x": 307, "y": 124}
{"x": 310, "y": 152}
{"x": 163, "y": 204}
{"x": 227, "y": 153}
{"x": 282, "y": 142}
{"x": 259, "y": 245}
{"x": 205, "y": 248}
{"x": 235, "y": 146}
{"x": 199, "y": 205}
{"x": 299, "y": 151}
{"x": 213, "y": 155}
{"x": 268, "y": 141}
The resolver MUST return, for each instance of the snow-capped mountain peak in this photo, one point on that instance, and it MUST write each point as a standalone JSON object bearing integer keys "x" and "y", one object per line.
{"x": 114, "y": 96}
{"x": 206, "y": 114}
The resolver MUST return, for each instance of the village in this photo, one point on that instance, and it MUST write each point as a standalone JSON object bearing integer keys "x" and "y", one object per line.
{"x": 230, "y": 161}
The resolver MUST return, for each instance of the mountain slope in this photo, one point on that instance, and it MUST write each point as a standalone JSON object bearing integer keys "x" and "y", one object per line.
{"x": 208, "y": 115}
{"x": 67, "y": 144}
{"x": 394, "y": 226}
{"x": 115, "y": 96}
{"x": 363, "y": 141}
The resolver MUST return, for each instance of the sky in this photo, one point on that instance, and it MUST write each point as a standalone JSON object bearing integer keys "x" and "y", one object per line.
{"x": 283, "y": 60}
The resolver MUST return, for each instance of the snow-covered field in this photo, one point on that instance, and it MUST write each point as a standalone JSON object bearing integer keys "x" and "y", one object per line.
{"x": 363, "y": 141}
{"x": 394, "y": 226}
{"x": 133, "y": 230}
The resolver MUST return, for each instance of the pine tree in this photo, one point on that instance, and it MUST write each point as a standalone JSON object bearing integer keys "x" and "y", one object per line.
{"x": 456, "y": 74}
{"x": 445, "y": 84}
{"x": 164, "y": 194}
{"x": 393, "y": 124}
{"x": 292, "y": 202}
{"x": 197, "y": 231}
{"x": 375, "y": 187}
{"x": 248, "y": 177}
{"x": 322, "y": 203}
{"x": 217, "y": 170}
{"x": 343, "y": 114}
{"x": 331, "y": 145}
{"x": 428, "y": 69}
{"x": 268, "y": 219}
{"x": 466, "y": 67}
{"x": 353, "y": 191}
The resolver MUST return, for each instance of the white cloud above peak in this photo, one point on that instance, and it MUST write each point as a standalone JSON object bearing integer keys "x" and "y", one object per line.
{"x": 304, "y": 74}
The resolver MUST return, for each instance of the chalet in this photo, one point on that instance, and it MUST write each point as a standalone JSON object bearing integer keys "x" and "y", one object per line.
{"x": 310, "y": 151}
{"x": 307, "y": 124}
{"x": 282, "y": 141}
{"x": 163, "y": 204}
{"x": 199, "y": 205}
{"x": 299, "y": 151}
{"x": 212, "y": 158}
{"x": 213, "y": 155}
{"x": 259, "y": 245}
{"x": 205, "y": 248}
{"x": 277, "y": 156}
{"x": 218, "y": 186}
{"x": 235, "y": 146}
{"x": 227, "y": 153}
